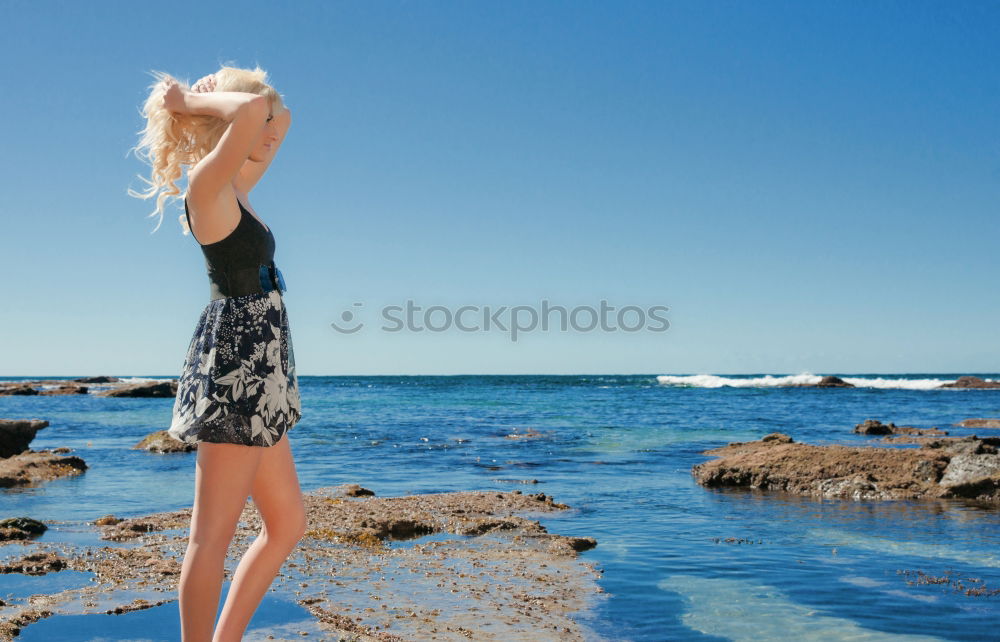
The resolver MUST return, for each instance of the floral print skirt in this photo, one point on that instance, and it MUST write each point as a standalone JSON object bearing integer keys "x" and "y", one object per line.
{"x": 238, "y": 383}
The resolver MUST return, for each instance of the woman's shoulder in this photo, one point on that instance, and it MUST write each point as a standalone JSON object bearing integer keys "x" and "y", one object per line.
{"x": 215, "y": 215}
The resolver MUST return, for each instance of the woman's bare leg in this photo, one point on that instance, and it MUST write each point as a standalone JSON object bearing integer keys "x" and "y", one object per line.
{"x": 223, "y": 480}
{"x": 278, "y": 498}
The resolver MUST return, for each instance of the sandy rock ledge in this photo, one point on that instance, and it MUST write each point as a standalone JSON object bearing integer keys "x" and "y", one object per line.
{"x": 966, "y": 468}
{"x": 485, "y": 570}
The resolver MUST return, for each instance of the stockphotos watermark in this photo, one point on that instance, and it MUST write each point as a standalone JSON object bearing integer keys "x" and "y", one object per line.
{"x": 512, "y": 320}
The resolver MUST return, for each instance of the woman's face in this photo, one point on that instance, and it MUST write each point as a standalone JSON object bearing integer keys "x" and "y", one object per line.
{"x": 265, "y": 141}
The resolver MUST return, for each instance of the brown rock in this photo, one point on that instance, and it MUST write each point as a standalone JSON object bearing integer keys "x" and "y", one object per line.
{"x": 37, "y": 466}
{"x": 16, "y": 434}
{"x": 352, "y": 490}
{"x": 876, "y": 427}
{"x": 162, "y": 441}
{"x": 20, "y": 528}
{"x": 18, "y": 389}
{"x": 65, "y": 390}
{"x": 36, "y": 563}
{"x": 971, "y": 445}
{"x": 971, "y": 382}
{"x": 828, "y": 381}
{"x": 97, "y": 379}
{"x": 973, "y": 475}
{"x": 153, "y": 389}
{"x": 527, "y": 581}
{"x": 979, "y": 423}
{"x": 107, "y": 520}
{"x": 943, "y": 468}
{"x": 530, "y": 433}
{"x": 12, "y": 626}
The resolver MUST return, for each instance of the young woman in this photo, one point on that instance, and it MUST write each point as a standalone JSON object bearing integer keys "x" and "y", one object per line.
{"x": 237, "y": 395}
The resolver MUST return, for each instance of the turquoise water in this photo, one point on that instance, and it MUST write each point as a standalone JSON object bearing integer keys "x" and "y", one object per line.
{"x": 619, "y": 450}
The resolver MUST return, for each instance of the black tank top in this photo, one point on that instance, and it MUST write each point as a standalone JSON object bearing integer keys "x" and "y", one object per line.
{"x": 232, "y": 262}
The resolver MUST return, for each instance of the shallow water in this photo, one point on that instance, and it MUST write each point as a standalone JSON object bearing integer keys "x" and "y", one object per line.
{"x": 619, "y": 450}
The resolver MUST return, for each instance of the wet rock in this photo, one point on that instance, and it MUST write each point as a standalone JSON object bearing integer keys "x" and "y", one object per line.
{"x": 466, "y": 513}
{"x": 837, "y": 471}
{"x": 397, "y": 527}
{"x": 926, "y": 471}
{"x": 11, "y": 627}
{"x": 36, "y": 563}
{"x": 344, "y": 627}
{"x": 482, "y": 525}
{"x": 975, "y": 476}
{"x": 65, "y": 390}
{"x": 971, "y": 382}
{"x": 862, "y": 486}
{"x": 16, "y": 434}
{"x": 578, "y": 544}
{"x": 563, "y": 544}
{"x": 532, "y": 584}
{"x": 828, "y": 381}
{"x": 97, "y": 379}
{"x": 530, "y": 433}
{"x": 137, "y": 604}
{"x": 153, "y": 389}
{"x": 18, "y": 389}
{"x": 971, "y": 445}
{"x": 542, "y": 497}
{"x": 777, "y": 438}
{"x": 37, "y": 466}
{"x": 352, "y": 490}
{"x": 20, "y": 528}
{"x": 122, "y": 530}
{"x": 162, "y": 442}
{"x": 979, "y": 423}
{"x": 876, "y": 427}
{"x": 107, "y": 520}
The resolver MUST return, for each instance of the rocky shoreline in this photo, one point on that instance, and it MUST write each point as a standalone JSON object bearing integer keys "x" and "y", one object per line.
{"x": 941, "y": 467}
{"x": 443, "y": 566}
{"x": 497, "y": 575}
{"x": 106, "y": 387}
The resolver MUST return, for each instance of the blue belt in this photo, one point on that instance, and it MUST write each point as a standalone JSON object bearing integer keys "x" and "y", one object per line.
{"x": 258, "y": 279}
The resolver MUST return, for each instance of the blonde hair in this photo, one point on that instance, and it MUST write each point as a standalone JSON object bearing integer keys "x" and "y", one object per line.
{"x": 171, "y": 141}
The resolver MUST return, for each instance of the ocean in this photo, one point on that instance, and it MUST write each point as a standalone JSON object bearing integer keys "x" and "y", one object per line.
{"x": 619, "y": 450}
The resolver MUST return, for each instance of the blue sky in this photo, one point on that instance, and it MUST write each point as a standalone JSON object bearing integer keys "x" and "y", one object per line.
{"x": 808, "y": 186}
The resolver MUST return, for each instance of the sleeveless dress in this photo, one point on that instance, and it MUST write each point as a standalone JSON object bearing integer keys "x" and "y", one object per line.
{"x": 238, "y": 383}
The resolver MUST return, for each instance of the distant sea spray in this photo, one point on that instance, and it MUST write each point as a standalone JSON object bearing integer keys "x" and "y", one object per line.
{"x": 805, "y": 378}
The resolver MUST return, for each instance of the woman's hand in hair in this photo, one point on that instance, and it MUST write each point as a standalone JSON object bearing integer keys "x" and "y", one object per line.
{"x": 173, "y": 97}
{"x": 205, "y": 83}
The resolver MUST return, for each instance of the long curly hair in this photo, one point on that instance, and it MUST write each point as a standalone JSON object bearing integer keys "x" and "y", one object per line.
{"x": 171, "y": 141}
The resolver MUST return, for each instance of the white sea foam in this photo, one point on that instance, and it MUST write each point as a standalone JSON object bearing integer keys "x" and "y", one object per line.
{"x": 745, "y": 611}
{"x": 774, "y": 381}
{"x": 131, "y": 380}
{"x": 885, "y": 546}
{"x": 714, "y": 381}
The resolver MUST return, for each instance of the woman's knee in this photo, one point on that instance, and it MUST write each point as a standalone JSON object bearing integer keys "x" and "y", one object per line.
{"x": 288, "y": 528}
